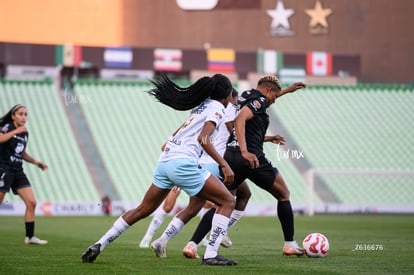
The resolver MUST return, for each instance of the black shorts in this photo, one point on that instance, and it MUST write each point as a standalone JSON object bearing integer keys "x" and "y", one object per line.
{"x": 13, "y": 180}
{"x": 263, "y": 176}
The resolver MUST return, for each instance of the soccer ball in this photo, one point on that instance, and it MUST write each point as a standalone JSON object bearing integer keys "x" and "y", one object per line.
{"x": 316, "y": 245}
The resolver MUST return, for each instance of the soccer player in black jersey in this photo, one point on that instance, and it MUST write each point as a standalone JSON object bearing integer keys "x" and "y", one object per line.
{"x": 13, "y": 141}
{"x": 245, "y": 151}
{"x": 245, "y": 155}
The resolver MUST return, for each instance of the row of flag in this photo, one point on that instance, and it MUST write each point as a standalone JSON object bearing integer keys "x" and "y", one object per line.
{"x": 317, "y": 63}
{"x": 218, "y": 60}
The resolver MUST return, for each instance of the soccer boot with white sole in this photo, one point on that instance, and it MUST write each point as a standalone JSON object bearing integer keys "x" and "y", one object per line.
{"x": 292, "y": 249}
{"x": 145, "y": 243}
{"x": 34, "y": 240}
{"x": 159, "y": 248}
{"x": 190, "y": 251}
{"x": 226, "y": 242}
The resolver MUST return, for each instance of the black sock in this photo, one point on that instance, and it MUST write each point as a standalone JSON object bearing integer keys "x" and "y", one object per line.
{"x": 29, "y": 229}
{"x": 285, "y": 214}
{"x": 204, "y": 226}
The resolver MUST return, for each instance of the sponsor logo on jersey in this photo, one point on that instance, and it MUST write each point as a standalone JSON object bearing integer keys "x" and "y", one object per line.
{"x": 256, "y": 104}
{"x": 5, "y": 128}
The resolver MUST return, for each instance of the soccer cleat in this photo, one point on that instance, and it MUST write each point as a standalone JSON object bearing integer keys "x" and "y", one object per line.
{"x": 145, "y": 243}
{"x": 34, "y": 240}
{"x": 218, "y": 260}
{"x": 292, "y": 249}
{"x": 91, "y": 253}
{"x": 190, "y": 251}
{"x": 159, "y": 248}
{"x": 226, "y": 242}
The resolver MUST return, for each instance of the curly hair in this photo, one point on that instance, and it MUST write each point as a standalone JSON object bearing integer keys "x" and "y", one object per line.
{"x": 270, "y": 80}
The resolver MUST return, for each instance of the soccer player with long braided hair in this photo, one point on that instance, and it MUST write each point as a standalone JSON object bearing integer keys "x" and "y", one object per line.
{"x": 178, "y": 163}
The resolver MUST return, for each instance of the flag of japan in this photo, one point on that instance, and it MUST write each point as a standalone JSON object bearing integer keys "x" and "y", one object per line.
{"x": 319, "y": 63}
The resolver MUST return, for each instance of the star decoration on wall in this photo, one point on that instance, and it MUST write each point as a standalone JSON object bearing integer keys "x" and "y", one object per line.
{"x": 318, "y": 15}
{"x": 280, "y": 15}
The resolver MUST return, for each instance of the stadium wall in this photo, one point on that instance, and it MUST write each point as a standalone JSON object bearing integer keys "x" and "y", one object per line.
{"x": 377, "y": 30}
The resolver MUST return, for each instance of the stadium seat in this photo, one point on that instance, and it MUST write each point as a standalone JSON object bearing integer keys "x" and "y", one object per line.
{"x": 52, "y": 141}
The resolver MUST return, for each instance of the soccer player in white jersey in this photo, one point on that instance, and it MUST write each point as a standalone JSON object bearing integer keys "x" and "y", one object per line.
{"x": 207, "y": 162}
{"x": 178, "y": 164}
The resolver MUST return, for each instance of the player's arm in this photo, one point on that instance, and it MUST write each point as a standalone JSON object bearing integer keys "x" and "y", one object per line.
{"x": 32, "y": 160}
{"x": 292, "y": 88}
{"x": 4, "y": 137}
{"x": 275, "y": 139}
{"x": 204, "y": 138}
{"x": 230, "y": 126}
{"x": 239, "y": 126}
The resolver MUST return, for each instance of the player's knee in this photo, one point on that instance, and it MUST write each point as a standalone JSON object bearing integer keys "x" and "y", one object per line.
{"x": 31, "y": 204}
{"x": 284, "y": 195}
{"x": 230, "y": 201}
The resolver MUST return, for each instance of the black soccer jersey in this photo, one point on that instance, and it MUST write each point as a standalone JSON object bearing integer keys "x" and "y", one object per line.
{"x": 256, "y": 127}
{"x": 11, "y": 151}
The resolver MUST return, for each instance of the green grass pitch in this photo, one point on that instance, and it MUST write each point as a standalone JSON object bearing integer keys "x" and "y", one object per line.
{"x": 359, "y": 244}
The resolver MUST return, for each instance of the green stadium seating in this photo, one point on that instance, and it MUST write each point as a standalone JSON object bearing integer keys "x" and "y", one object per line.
{"x": 366, "y": 127}
{"x": 129, "y": 127}
{"x": 52, "y": 141}
{"x": 369, "y": 128}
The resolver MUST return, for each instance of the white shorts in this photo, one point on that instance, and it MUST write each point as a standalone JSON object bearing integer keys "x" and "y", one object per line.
{"x": 184, "y": 173}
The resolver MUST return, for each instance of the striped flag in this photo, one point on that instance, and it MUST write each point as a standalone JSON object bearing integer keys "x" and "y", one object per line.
{"x": 319, "y": 63}
{"x": 118, "y": 57}
{"x": 168, "y": 60}
{"x": 68, "y": 55}
{"x": 221, "y": 60}
{"x": 269, "y": 61}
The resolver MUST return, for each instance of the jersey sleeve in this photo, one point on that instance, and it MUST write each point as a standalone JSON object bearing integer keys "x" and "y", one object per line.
{"x": 216, "y": 115}
{"x": 4, "y": 129}
{"x": 257, "y": 105}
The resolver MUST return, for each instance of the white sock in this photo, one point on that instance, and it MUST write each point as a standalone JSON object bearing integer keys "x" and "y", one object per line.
{"x": 157, "y": 220}
{"x": 203, "y": 211}
{"x": 291, "y": 243}
{"x": 173, "y": 228}
{"x": 218, "y": 230}
{"x": 234, "y": 218}
{"x": 117, "y": 229}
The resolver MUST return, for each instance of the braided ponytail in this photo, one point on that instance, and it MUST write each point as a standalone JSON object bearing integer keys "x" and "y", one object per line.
{"x": 186, "y": 98}
{"x": 179, "y": 98}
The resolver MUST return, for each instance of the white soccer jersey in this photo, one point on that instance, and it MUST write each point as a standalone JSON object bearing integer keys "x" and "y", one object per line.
{"x": 222, "y": 135}
{"x": 184, "y": 143}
